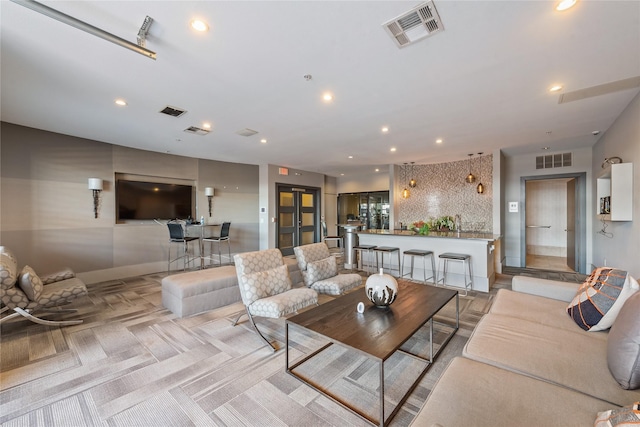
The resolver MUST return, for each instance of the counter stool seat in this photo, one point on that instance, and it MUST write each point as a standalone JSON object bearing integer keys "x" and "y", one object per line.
{"x": 447, "y": 257}
{"x": 413, "y": 253}
{"x": 388, "y": 250}
{"x": 362, "y": 251}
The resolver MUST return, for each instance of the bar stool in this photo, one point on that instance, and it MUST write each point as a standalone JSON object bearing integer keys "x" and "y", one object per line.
{"x": 362, "y": 251}
{"x": 447, "y": 257}
{"x": 388, "y": 250}
{"x": 413, "y": 253}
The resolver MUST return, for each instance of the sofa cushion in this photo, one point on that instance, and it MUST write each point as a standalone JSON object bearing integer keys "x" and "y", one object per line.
{"x": 599, "y": 299}
{"x": 623, "y": 349}
{"x": 574, "y": 360}
{"x": 627, "y": 416}
{"x": 8, "y": 269}
{"x": 545, "y": 311}
{"x": 322, "y": 269}
{"x": 470, "y": 393}
{"x": 262, "y": 284}
{"x": 30, "y": 283}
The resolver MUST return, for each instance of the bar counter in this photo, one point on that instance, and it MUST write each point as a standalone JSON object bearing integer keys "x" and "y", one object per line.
{"x": 480, "y": 245}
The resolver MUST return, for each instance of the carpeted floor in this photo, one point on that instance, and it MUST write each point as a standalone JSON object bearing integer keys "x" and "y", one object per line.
{"x": 133, "y": 363}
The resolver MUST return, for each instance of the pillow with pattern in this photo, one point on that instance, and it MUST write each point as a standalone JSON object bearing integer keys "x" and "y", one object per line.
{"x": 262, "y": 284}
{"x": 30, "y": 283}
{"x": 322, "y": 269}
{"x": 600, "y": 298}
{"x": 629, "y": 416}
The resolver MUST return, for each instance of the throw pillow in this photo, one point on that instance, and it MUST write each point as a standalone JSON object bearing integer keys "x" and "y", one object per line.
{"x": 599, "y": 299}
{"x": 623, "y": 345}
{"x": 619, "y": 417}
{"x": 322, "y": 269}
{"x": 8, "y": 269}
{"x": 30, "y": 283}
{"x": 264, "y": 284}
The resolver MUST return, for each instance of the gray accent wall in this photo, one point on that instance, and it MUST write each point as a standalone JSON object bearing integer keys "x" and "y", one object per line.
{"x": 621, "y": 140}
{"x": 46, "y": 209}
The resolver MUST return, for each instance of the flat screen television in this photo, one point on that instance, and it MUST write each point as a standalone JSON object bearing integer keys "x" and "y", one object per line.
{"x": 142, "y": 200}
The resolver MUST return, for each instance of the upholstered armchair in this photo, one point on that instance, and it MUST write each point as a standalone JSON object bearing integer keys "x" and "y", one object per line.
{"x": 320, "y": 270}
{"x": 266, "y": 288}
{"x": 25, "y": 292}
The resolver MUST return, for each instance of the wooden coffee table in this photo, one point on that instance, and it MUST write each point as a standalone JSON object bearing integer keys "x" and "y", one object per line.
{"x": 377, "y": 333}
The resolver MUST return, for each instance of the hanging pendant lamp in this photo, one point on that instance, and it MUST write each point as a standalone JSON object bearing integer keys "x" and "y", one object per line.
{"x": 412, "y": 181}
{"x": 470, "y": 178}
{"x": 405, "y": 192}
{"x": 480, "y": 187}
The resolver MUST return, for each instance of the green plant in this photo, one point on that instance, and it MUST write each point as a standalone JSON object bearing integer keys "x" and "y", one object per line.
{"x": 421, "y": 227}
{"x": 445, "y": 221}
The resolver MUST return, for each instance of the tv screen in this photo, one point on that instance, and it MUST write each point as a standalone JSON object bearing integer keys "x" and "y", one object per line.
{"x": 153, "y": 200}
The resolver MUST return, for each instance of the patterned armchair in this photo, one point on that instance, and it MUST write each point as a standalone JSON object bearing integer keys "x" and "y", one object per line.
{"x": 265, "y": 287}
{"x": 320, "y": 271}
{"x": 25, "y": 292}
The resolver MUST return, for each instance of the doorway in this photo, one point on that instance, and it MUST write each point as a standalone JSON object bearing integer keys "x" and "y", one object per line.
{"x": 553, "y": 235}
{"x": 298, "y": 217}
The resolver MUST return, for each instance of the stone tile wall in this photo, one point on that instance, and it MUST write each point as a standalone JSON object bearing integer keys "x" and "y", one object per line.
{"x": 442, "y": 190}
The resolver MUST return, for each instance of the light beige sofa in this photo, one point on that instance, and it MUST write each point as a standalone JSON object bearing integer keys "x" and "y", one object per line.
{"x": 527, "y": 363}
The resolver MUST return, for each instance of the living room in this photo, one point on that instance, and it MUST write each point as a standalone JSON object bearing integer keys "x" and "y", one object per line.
{"x": 47, "y": 211}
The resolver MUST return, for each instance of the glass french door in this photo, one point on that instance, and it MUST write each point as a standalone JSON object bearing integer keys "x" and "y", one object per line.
{"x": 298, "y": 217}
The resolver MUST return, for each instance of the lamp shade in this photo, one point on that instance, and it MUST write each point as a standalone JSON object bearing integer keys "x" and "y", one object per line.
{"x": 208, "y": 191}
{"x": 95, "y": 184}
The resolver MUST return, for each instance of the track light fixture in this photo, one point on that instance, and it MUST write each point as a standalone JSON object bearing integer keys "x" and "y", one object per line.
{"x": 81, "y": 25}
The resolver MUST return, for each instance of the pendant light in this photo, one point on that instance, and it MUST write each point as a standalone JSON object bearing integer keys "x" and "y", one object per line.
{"x": 480, "y": 187}
{"x": 412, "y": 181}
{"x": 405, "y": 192}
{"x": 470, "y": 178}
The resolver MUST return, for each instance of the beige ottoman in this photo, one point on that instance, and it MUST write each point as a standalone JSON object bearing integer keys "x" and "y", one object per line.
{"x": 195, "y": 292}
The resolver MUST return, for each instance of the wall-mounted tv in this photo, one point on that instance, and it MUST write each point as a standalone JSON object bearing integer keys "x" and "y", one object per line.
{"x": 138, "y": 199}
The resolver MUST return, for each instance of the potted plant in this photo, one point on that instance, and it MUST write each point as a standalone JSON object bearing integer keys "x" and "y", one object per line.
{"x": 421, "y": 227}
{"x": 443, "y": 223}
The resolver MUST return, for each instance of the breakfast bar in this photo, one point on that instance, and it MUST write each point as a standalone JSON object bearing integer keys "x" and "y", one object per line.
{"x": 479, "y": 245}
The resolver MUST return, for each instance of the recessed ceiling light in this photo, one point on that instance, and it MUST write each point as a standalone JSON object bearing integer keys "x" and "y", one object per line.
{"x": 351, "y": 157}
{"x": 206, "y": 125}
{"x": 438, "y": 141}
{"x": 199, "y": 25}
{"x": 264, "y": 141}
{"x": 545, "y": 148}
{"x": 565, "y": 4}
{"x": 327, "y": 97}
{"x": 555, "y": 88}
{"x": 121, "y": 102}
{"x": 377, "y": 170}
{"x": 341, "y": 174}
{"x": 393, "y": 149}
{"x": 385, "y": 129}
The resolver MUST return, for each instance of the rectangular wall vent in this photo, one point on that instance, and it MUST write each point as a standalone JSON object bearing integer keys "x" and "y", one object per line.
{"x": 173, "y": 111}
{"x": 553, "y": 161}
{"x": 416, "y": 24}
{"x": 196, "y": 130}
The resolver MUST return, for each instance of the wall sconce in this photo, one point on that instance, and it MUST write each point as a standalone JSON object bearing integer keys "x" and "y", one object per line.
{"x": 95, "y": 184}
{"x": 209, "y": 192}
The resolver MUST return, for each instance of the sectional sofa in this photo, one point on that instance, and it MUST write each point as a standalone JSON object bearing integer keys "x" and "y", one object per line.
{"x": 528, "y": 363}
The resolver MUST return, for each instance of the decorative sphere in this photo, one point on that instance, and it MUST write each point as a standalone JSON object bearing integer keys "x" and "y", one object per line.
{"x": 381, "y": 289}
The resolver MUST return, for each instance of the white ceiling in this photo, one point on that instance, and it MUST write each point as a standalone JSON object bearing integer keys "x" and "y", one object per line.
{"x": 481, "y": 84}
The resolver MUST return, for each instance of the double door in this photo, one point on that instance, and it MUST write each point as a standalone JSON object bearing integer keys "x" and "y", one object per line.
{"x": 298, "y": 217}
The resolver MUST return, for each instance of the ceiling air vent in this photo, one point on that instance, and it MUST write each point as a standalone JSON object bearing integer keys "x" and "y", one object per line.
{"x": 553, "y": 161}
{"x": 418, "y": 23}
{"x": 173, "y": 111}
{"x": 247, "y": 132}
{"x": 196, "y": 130}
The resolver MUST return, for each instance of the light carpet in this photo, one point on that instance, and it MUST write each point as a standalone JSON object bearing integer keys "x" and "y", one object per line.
{"x": 134, "y": 363}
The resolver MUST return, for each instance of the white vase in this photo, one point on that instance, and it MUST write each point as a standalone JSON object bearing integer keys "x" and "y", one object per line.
{"x": 381, "y": 289}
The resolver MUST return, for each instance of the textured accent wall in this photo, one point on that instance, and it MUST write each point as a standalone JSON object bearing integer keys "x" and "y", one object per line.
{"x": 442, "y": 190}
